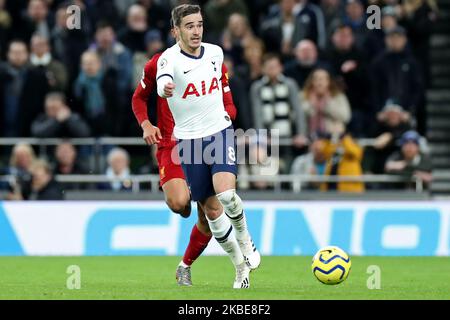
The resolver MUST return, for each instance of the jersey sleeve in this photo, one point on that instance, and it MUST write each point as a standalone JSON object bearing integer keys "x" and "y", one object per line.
{"x": 165, "y": 72}
{"x": 230, "y": 108}
{"x": 143, "y": 90}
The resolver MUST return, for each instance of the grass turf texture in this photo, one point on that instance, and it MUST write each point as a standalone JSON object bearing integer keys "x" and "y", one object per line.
{"x": 277, "y": 278}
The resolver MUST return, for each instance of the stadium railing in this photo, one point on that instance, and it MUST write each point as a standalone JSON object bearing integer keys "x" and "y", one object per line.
{"x": 97, "y": 144}
{"x": 295, "y": 181}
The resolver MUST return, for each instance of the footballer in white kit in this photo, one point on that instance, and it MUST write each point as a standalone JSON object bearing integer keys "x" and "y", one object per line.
{"x": 197, "y": 104}
{"x": 188, "y": 76}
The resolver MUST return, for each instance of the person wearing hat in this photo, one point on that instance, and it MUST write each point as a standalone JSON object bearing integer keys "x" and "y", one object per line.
{"x": 395, "y": 74}
{"x": 410, "y": 162}
{"x": 392, "y": 122}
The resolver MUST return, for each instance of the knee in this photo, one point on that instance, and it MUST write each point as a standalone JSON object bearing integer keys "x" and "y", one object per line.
{"x": 212, "y": 211}
{"x": 231, "y": 202}
{"x": 179, "y": 205}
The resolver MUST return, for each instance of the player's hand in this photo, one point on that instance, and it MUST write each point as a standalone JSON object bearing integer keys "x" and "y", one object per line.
{"x": 151, "y": 133}
{"x": 168, "y": 89}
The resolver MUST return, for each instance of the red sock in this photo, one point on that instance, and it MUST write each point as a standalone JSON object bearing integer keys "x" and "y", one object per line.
{"x": 197, "y": 244}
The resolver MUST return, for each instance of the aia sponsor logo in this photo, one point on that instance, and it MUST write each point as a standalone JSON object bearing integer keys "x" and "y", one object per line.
{"x": 203, "y": 90}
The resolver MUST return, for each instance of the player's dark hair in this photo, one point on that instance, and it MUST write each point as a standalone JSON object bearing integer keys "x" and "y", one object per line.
{"x": 182, "y": 11}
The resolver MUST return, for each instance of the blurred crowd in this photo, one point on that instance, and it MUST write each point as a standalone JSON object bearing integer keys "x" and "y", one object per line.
{"x": 315, "y": 70}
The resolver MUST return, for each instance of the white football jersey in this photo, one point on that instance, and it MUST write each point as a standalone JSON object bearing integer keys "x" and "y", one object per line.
{"x": 197, "y": 103}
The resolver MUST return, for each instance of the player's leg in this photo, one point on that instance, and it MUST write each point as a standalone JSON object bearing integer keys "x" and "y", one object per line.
{"x": 221, "y": 229}
{"x": 199, "y": 239}
{"x": 173, "y": 183}
{"x": 178, "y": 199}
{"x": 225, "y": 184}
{"x": 199, "y": 178}
{"x": 224, "y": 172}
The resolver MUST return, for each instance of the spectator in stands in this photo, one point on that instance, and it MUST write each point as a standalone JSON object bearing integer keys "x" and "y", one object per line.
{"x": 22, "y": 157}
{"x": 235, "y": 37}
{"x": 132, "y": 35}
{"x": 275, "y": 104}
{"x": 326, "y": 106}
{"x": 244, "y": 116}
{"x": 349, "y": 66}
{"x": 410, "y": 162}
{"x": 36, "y": 20}
{"x": 13, "y": 75}
{"x": 217, "y": 13}
{"x": 66, "y": 163}
{"x": 392, "y": 122}
{"x": 158, "y": 15}
{"x": 277, "y": 31}
{"x": 312, "y": 163}
{"x": 5, "y": 28}
{"x": 309, "y": 24}
{"x": 333, "y": 11}
{"x": 153, "y": 44}
{"x": 41, "y": 57}
{"x": 259, "y": 163}
{"x": 356, "y": 18}
{"x": 395, "y": 74}
{"x": 69, "y": 45}
{"x": 118, "y": 171}
{"x": 418, "y": 17}
{"x": 58, "y": 120}
{"x": 306, "y": 60}
{"x": 97, "y": 100}
{"x": 251, "y": 70}
{"x": 344, "y": 157}
{"x": 375, "y": 40}
{"x": 101, "y": 10}
{"x": 43, "y": 186}
{"x": 117, "y": 65}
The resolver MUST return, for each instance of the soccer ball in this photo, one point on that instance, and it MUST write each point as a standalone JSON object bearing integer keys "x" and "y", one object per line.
{"x": 331, "y": 265}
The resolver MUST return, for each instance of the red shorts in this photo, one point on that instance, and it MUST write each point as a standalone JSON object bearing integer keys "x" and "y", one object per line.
{"x": 168, "y": 170}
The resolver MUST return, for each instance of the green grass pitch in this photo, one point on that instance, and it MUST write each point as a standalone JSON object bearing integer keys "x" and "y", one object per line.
{"x": 277, "y": 278}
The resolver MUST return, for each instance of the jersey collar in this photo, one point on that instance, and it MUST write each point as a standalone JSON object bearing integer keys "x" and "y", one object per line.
{"x": 202, "y": 51}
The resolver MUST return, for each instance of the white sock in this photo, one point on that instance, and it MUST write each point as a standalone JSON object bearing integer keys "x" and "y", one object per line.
{"x": 184, "y": 265}
{"x": 234, "y": 209}
{"x": 221, "y": 229}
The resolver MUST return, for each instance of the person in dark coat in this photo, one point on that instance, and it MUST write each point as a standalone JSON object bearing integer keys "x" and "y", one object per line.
{"x": 396, "y": 75}
{"x": 133, "y": 34}
{"x": 349, "y": 66}
{"x": 67, "y": 163}
{"x": 59, "y": 121}
{"x": 306, "y": 60}
{"x": 43, "y": 186}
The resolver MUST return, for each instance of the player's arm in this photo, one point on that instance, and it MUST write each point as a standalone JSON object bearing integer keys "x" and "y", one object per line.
{"x": 151, "y": 134}
{"x": 230, "y": 108}
{"x": 164, "y": 77}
